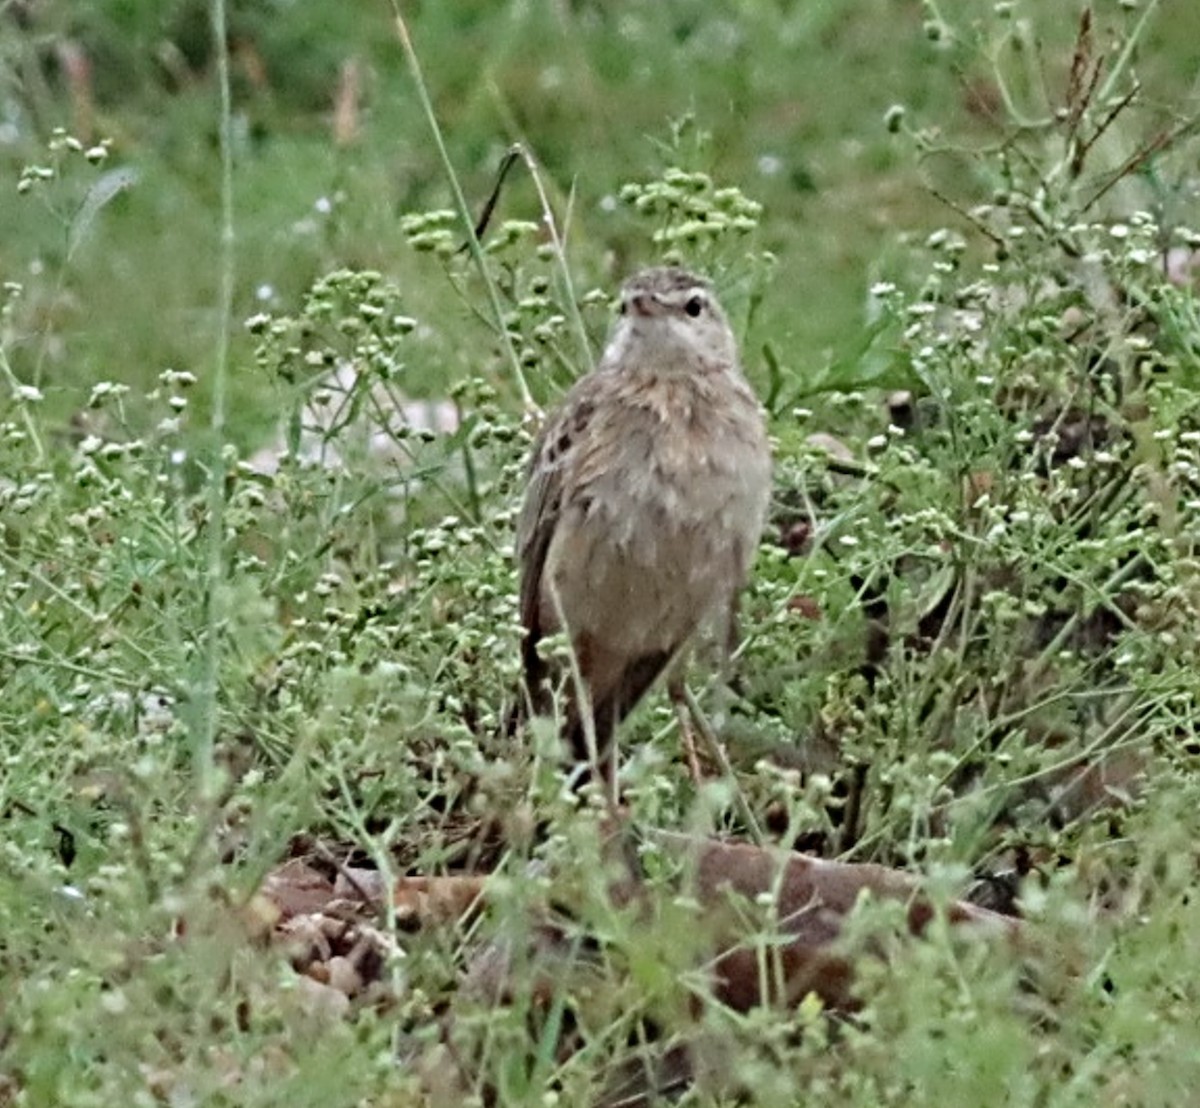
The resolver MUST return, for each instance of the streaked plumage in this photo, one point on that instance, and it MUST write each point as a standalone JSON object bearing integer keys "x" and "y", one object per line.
{"x": 647, "y": 492}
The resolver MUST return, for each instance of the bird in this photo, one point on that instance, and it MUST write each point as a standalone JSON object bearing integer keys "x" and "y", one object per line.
{"x": 646, "y": 495}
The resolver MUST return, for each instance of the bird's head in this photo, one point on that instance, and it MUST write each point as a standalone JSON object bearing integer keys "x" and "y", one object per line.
{"x": 670, "y": 322}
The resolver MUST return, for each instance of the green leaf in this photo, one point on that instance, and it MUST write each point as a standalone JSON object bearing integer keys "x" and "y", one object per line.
{"x": 107, "y": 188}
{"x": 871, "y": 361}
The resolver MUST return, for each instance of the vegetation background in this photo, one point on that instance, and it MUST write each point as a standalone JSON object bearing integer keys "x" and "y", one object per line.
{"x": 966, "y": 597}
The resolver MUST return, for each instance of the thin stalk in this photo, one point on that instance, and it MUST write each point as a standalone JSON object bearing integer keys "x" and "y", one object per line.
{"x": 1117, "y": 71}
{"x": 560, "y": 252}
{"x": 460, "y": 202}
{"x": 722, "y": 759}
{"x": 206, "y": 727}
{"x": 113, "y": 677}
{"x": 31, "y": 429}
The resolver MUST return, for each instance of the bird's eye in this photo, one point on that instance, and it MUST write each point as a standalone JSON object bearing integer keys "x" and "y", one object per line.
{"x": 694, "y": 306}
{"x": 624, "y": 308}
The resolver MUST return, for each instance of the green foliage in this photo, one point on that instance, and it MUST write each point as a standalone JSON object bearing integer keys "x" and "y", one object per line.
{"x": 969, "y": 593}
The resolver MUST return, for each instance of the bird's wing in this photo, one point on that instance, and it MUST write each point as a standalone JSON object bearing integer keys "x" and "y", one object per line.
{"x": 554, "y": 454}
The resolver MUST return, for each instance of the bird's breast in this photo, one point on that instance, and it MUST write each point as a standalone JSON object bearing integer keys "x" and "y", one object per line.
{"x": 667, "y": 508}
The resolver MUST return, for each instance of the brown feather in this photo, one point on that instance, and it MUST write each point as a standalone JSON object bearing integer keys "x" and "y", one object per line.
{"x": 646, "y": 494}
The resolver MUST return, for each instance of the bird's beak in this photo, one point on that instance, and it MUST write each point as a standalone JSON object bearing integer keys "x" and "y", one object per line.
{"x": 643, "y": 304}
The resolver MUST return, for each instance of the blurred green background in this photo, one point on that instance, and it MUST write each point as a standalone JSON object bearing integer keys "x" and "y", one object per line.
{"x": 332, "y": 148}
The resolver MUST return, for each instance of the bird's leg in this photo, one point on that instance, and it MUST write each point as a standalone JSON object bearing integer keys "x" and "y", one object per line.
{"x": 613, "y": 793}
{"x": 605, "y": 718}
{"x": 591, "y": 733}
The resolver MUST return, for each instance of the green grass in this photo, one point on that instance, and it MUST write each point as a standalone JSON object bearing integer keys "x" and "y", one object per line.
{"x": 792, "y": 100}
{"x": 988, "y": 597}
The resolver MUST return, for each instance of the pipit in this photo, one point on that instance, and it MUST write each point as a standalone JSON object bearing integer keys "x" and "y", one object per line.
{"x": 647, "y": 493}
